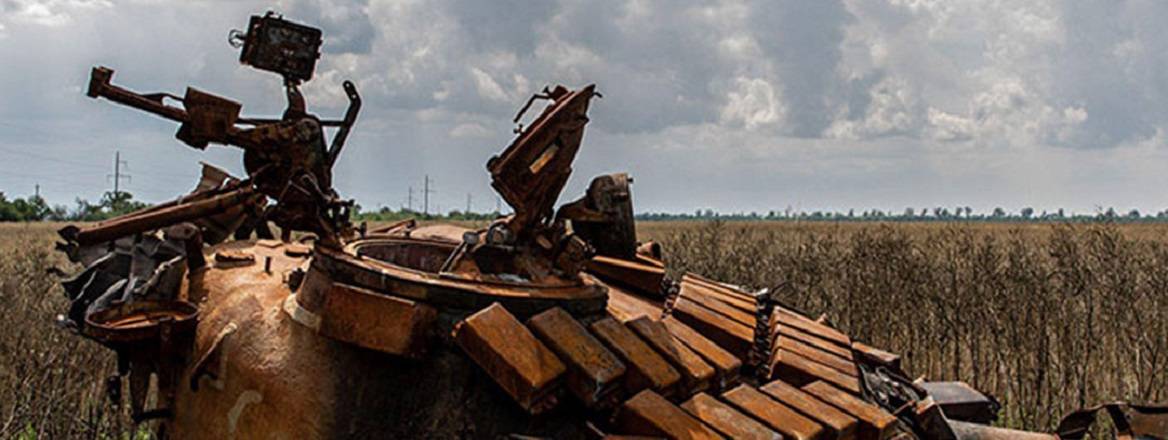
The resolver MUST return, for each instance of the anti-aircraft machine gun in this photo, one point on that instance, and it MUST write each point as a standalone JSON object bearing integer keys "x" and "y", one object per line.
{"x": 286, "y": 159}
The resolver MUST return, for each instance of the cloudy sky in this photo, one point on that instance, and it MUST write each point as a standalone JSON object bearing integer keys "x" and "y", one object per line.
{"x": 730, "y": 105}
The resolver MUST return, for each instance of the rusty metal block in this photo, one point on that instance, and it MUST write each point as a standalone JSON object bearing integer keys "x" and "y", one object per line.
{"x": 648, "y": 413}
{"x": 819, "y": 355}
{"x": 645, "y": 368}
{"x": 376, "y": 321}
{"x": 646, "y": 279}
{"x": 700, "y": 295}
{"x": 876, "y": 356}
{"x": 793, "y": 319}
{"x": 625, "y": 306}
{"x": 776, "y": 415}
{"x": 732, "y": 336}
{"x": 840, "y": 425}
{"x": 875, "y": 423}
{"x": 726, "y": 365}
{"x": 794, "y": 368}
{"x": 781, "y": 330}
{"x": 525, "y": 368}
{"x": 697, "y": 373}
{"x": 736, "y": 298}
{"x": 959, "y": 401}
{"x": 594, "y": 372}
{"x": 727, "y": 420}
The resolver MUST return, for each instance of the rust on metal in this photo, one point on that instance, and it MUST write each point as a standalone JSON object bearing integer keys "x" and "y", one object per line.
{"x": 625, "y": 306}
{"x": 840, "y": 425}
{"x": 647, "y": 413}
{"x": 876, "y": 356}
{"x": 731, "y": 335}
{"x": 377, "y": 321}
{"x": 875, "y": 423}
{"x": 646, "y": 368}
{"x": 594, "y": 373}
{"x": 696, "y": 372}
{"x": 781, "y": 417}
{"x": 727, "y": 420}
{"x": 525, "y": 368}
{"x": 646, "y": 279}
{"x": 726, "y": 365}
{"x": 795, "y": 368}
{"x": 817, "y": 354}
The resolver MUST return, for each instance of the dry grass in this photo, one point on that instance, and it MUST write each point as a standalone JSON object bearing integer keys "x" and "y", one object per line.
{"x": 1047, "y": 318}
{"x": 51, "y": 382}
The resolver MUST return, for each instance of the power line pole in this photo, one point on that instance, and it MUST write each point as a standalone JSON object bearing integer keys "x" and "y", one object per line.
{"x": 468, "y": 203}
{"x": 497, "y": 211}
{"x": 117, "y": 175}
{"x": 426, "y": 196}
{"x": 410, "y": 200}
{"x": 37, "y": 191}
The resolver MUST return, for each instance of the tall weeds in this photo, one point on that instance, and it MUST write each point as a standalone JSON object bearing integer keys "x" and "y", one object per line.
{"x": 1046, "y": 318}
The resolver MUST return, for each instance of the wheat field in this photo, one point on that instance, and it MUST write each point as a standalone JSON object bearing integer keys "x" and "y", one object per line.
{"x": 1046, "y": 318}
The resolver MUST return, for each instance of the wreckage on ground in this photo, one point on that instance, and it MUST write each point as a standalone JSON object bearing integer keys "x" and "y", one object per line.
{"x": 546, "y": 323}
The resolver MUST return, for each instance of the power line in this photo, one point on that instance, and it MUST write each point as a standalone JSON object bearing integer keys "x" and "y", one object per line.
{"x": 117, "y": 175}
{"x": 426, "y": 196}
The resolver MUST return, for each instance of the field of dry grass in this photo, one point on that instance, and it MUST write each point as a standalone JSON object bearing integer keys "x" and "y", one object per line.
{"x": 1045, "y": 317}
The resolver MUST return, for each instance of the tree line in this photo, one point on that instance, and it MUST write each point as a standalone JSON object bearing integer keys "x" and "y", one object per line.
{"x": 34, "y": 208}
{"x": 963, "y": 213}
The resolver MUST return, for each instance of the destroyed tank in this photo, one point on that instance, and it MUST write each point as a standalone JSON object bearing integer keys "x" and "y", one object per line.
{"x": 550, "y": 322}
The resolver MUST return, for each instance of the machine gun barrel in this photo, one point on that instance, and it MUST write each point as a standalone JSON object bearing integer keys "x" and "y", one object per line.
{"x": 99, "y": 86}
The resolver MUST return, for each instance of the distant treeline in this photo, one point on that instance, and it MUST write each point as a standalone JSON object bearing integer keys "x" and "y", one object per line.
{"x": 34, "y": 208}
{"x": 914, "y": 215}
{"x": 389, "y": 215}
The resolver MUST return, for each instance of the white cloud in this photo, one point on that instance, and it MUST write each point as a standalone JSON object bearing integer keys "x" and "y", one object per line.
{"x": 857, "y": 90}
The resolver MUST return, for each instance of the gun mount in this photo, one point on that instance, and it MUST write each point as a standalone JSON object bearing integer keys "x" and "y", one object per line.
{"x": 548, "y": 322}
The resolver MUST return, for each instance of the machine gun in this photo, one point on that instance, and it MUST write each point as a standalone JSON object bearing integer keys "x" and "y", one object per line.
{"x": 285, "y": 158}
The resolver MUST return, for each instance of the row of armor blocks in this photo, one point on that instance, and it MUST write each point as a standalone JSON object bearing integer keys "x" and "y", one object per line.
{"x": 670, "y": 367}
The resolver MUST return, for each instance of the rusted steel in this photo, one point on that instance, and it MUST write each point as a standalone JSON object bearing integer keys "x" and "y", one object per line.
{"x": 960, "y": 401}
{"x": 793, "y": 367}
{"x": 583, "y": 296}
{"x": 697, "y": 373}
{"x": 377, "y": 321}
{"x": 137, "y": 223}
{"x": 604, "y": 216}
{"x": 778, "y": 416}
{"x": 787, "y": 317}
{"x": 646, "y": 368}
{"x": 647, "y": 413}
{"x": 530, "y": 173}
{"x": 974, "y": 431}
{"x": 732, "y": 336}
{"x": 726, "y": 365}
{"x": 644, "y": 278}
{"x": 1129, "y": 421}
{"x": 727, "y": 420}
{"x": 839, "y": 424}
{"x": 594, "y": 373}
{"x": 733, "y": 297}
{"x": 876, "y": 356}
{"x": 875, "y": 423}
{"x": 141, "y": 321}
{"x": 817, "y": 354}
{"x": 785, "y": 331}
{"x": 698, "y": 294}
{"x": 525, "y": 368}
{"x": 625, "y": 306}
